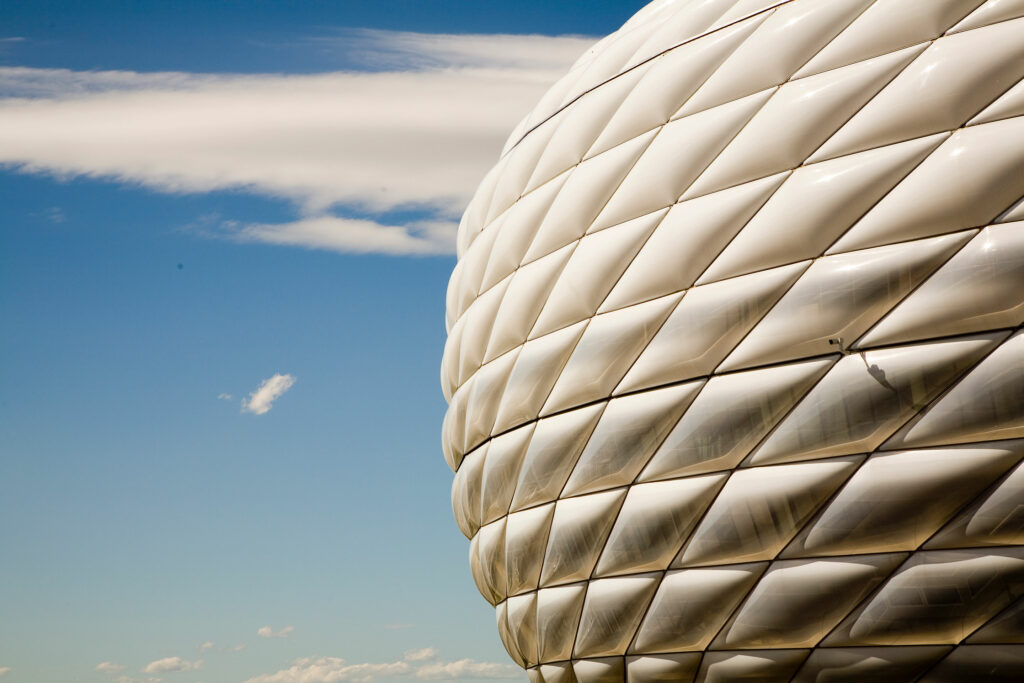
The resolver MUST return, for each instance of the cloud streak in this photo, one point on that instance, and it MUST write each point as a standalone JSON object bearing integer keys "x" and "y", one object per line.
{"x": 266, "y": 631}
{"x": 259, "y": 403}
{"x": 172, "y": 665}
{"x": 421, "y": 664}
{"x": 416, "y": 134}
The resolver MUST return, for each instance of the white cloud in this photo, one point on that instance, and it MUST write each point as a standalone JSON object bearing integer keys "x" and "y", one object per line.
{"x": 171, "y": 665}
{"x": 4, "y": 670}
{"x": 131, "y": 679}
{"x": 420, "y": 655}
{"x": 350, "y": 235}
{"x": 109, "y": 668}
{"x": 236, "y": 648}
{"x": 414, "y": 665}
{"x": 266, "y": 631}
{"x": 208, "y": 645}
{"x": 224, "y": 397}
{"x": 259, "y": 403}
{"x": 420, "y": 134}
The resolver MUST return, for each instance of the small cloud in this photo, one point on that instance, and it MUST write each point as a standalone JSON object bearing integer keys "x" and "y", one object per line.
{"x": 224, "y": 397}
{"x": 4, "y": 670}
{"x": 420, "y": 655}
{"x": 172, "y": 664}
{"x": 353, "y": 236}
{"x": 53, "y": 214}
{"x": 204, "y": 647}
{"x": 130, "y": 679}
{"x": 266, "y": 631}
{"x": 109, "y": 668}
{"x": 13, "y": 39}
{"x": 262, "y": 400}
{"x": 236, "y": 648}
{"x": 466, "y": 668}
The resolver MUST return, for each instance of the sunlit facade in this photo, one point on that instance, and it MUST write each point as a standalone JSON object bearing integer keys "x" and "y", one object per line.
{"x": 735, "y": 365}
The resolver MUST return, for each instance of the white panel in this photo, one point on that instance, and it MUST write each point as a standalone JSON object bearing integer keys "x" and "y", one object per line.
{"x": 558, "y": 615}
{"x": 865, "y": 397}
{"x": 841, "y": 297}
{"x": 888, "y": 25}
{"x": 706, "y": 325}
{"x": 965, "y": 183}
{"x": 690, "y": 236}
{"x": 501, "y": 472}
{"x": 612, "y": 612}
{"x": 787, "y": 38}
{"x": 943, "y": 89}
{"x": 525, "y": 536}
{"x": 679, "y": 153}
{"x": 680, "y": 668}
{"x": 800, "y": 116}
{"x": 981, "y": 287}
{"x": 1011, "y": 103}
{"x": 578, "y": 532}
{"x": 750, "y": 665}
{"x": 991, "y": 12}
{"x": 816, "y": 205}
{"x": 631, "y": 428}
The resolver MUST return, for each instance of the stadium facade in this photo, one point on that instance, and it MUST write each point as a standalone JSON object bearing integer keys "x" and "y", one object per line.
{"x": 735, "y": 364}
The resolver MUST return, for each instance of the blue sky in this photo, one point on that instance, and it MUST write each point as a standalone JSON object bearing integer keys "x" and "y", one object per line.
{"x": 198, "y": 196}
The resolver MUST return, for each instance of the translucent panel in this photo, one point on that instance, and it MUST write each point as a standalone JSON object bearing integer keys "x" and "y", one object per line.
{"x": 936, "y": 597}
{"x": 611, "y": 614}
{"x": 554, "y": 448}
{"x": 788, "y": 37}
{"x": 484, "y": 395}
{"x": 653, "y": 523}
{"x": 630, "y": 430}
{"x": 997, "y": 518}
{"x": 582, "y": 123}
{"x": 979, "y": 663}
{"x": 798, "y": 118}
{"x": 987, "y": 404}
{"x": 897, "y": 501}
{"x": 671, "y": 79}
{"x": 523, "y": 300}
{"x": 526, "y": 533}
{"x": 584, "y": 193}
{"x": 706, "y": 325}
{"x": 761, "y": 509}
{"x": 969, "y": 180}
{"x": 841, "y": 297}
{"x": 594, "y": 266}
{"x": 769, "y": 666}
{"x": 691, "y": 605}
{"x": 815, "y": 205}
{"x": 678, "y": 668}
{"x": 521, "y": 161}
{"x": 519, "y": 227}
{"x": 610, "y": 670}
{"x": 1010, "y": 103}
{"x": 991, "y": 12}
{"x": 487, "y": 561}
{"x": 466, "y": 492}
{"x": 679, "y": 153}
{"x": 687, "y": 240}
{"x": 610, "y": 344}
{"x": 796, "y": 603}
{"x": 557, "y": 673}
{"x": 854, "y": 665}
{"x": 501, "y": 471}
{"x": 506, "y": 636}
{"x": 1005, "y": 627}
{"x": 578, "y": 533}
{"x": 522, "y": 625}
{"x": 479, "y": 321}
{"x": 682, "y": 24}
{"x": 534, "y": 373}
{"x": 1014, "y": 213}
{"x": 888, "y": 25}
{"x": 730, "y": 416}
{"x": 558, "y": 615}
{"x": 866, "y": 396}
{"x": 981, "y": 287}
{"x": 474, "y": 265}
{"x": 945, "y": 87}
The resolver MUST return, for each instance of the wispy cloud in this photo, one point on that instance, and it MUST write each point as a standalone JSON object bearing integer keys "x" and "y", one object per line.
{"x": 205, "y": 647}
{"x": 418, "y": 664}
{"x": 171, "y": 665}
{"x": 109, "y": 668}
{"x": 417, "y": 134}
{"x": 266, "y": 631}
{"x": 260, "y": 402}
{"x": 4, "y": 670}
{"x": 224, "y": 397}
